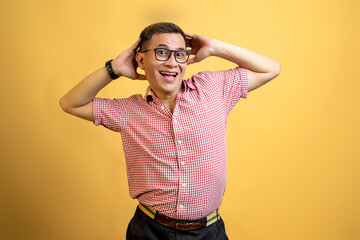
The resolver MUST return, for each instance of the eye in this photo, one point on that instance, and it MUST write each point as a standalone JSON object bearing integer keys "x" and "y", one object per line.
{"x": 162, "y": 52}
{"x": 181, "y": 54}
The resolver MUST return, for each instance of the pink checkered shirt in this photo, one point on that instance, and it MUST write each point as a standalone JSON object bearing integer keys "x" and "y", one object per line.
{"x": 176, "y": 162}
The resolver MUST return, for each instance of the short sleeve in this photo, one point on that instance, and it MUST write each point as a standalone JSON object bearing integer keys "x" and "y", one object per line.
{"x": 234, "y": 84}
{"x": 228, "y": 86}
{"x": 109, "y": 113}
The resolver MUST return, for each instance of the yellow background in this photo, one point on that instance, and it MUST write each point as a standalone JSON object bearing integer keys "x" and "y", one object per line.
{"x": 293, "y": 148}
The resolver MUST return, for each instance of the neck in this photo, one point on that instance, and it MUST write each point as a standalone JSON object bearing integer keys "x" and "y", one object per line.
{"x": 169, "y": 100}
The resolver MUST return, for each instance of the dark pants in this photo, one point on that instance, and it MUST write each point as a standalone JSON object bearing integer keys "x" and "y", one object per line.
{"x": 142, "y": 227}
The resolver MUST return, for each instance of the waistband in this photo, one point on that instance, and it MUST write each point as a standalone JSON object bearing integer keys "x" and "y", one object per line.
{"x": 179, "y": 224}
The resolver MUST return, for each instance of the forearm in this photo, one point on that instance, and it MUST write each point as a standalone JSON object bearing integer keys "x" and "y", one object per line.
{"x": 244, "y": 57}
{"x": 86, "y": 90}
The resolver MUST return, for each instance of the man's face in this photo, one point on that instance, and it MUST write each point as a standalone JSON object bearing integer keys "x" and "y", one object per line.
{"x": 160, "y": 73}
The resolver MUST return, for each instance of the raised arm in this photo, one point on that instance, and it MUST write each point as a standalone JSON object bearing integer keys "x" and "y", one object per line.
{"x": 260, "y": 69}
{"x": 78, "y": 101}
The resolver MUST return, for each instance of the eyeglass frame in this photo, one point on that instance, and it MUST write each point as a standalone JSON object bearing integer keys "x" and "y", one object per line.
{"x": 188, "y": 53}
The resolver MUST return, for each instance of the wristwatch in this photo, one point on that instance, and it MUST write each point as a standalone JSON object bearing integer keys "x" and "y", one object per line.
{"x": 110, "y": 70}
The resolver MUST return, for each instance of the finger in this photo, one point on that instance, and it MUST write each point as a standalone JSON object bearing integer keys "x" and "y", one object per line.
{"x": 189, "y": 35}
{"x": 140, "y": 76}
{"x": 189, "y": 40}
{"x": 188, "y": 43}
{"x": 191, "y": 61}
{"x": 135, "y": 45}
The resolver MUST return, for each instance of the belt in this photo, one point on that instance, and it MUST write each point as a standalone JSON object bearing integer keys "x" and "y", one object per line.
{"x": 179, "y": 224}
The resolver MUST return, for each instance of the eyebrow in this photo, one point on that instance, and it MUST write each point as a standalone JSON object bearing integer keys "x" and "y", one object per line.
{"x": 164, "y": 45}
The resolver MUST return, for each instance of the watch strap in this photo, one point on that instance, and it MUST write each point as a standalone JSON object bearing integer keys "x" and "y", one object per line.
{"x": 110, "y": 70}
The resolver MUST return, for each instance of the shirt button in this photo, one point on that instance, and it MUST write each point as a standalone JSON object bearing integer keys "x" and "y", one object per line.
{"x": 183, "y": 163}
{"x": 179, "y": 141}
{"x": 184, "y": 184}
{"x": 181, "y": 206}
{"x": 162, "y": 107}
{"x": 175, "y": 121}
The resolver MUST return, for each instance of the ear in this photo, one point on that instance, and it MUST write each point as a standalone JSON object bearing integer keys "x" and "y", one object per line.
{"x": 140, "y": 60}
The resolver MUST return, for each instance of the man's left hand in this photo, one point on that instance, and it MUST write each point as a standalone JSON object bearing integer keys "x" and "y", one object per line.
{"x": 201, "y": 47}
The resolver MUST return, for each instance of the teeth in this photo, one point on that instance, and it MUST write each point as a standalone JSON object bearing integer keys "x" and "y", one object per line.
{"x": 168, "y": 73}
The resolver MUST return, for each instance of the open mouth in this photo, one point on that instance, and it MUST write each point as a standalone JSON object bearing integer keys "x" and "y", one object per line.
{"x": 172, "y": 74}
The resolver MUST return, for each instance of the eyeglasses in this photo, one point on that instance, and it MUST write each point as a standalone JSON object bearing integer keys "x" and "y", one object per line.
{"x": 163, "y": 54}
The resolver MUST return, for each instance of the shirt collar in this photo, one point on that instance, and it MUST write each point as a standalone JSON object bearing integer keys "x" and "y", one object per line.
{"x": 187, "y": 85}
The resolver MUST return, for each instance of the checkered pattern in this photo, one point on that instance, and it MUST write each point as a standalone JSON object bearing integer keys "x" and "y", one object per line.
{"x": 176, "y": 162}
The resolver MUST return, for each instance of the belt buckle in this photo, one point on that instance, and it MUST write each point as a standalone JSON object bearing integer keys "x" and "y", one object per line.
{"x": 187, "y": 225}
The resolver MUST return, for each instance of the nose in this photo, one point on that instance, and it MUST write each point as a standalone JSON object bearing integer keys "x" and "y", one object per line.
{"x": 171, "y": 61}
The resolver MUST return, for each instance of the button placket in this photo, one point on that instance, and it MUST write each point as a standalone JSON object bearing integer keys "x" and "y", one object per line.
{"x": 183, "y": 188}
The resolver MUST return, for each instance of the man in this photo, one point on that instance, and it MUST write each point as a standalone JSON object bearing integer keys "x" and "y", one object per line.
{"x": 174, "y": 137}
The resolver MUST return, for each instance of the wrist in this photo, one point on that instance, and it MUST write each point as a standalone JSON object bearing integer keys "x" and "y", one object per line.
{"x": 111, "y": 69}
{"x": 216, "y": 48}
{"x": 115, "y": 68}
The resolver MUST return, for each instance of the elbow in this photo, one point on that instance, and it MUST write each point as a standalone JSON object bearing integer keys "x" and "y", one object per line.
{"x": 63, "y": 105}
{"x": 277, "y": 69}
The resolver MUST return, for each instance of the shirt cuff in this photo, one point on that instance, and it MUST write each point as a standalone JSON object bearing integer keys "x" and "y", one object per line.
{"x": 244, "y": 82}
{"x": 96, "y": 111}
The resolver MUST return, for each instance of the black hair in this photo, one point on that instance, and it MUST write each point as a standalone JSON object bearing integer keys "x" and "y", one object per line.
{"x": 161, "y": 27}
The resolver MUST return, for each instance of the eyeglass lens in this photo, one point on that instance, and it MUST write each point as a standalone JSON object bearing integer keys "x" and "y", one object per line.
{"x": 163, "y": 54}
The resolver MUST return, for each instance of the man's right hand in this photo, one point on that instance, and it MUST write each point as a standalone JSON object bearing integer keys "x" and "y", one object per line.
{"x": 78, "y": 101}
{"x": 126, "y": 65}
